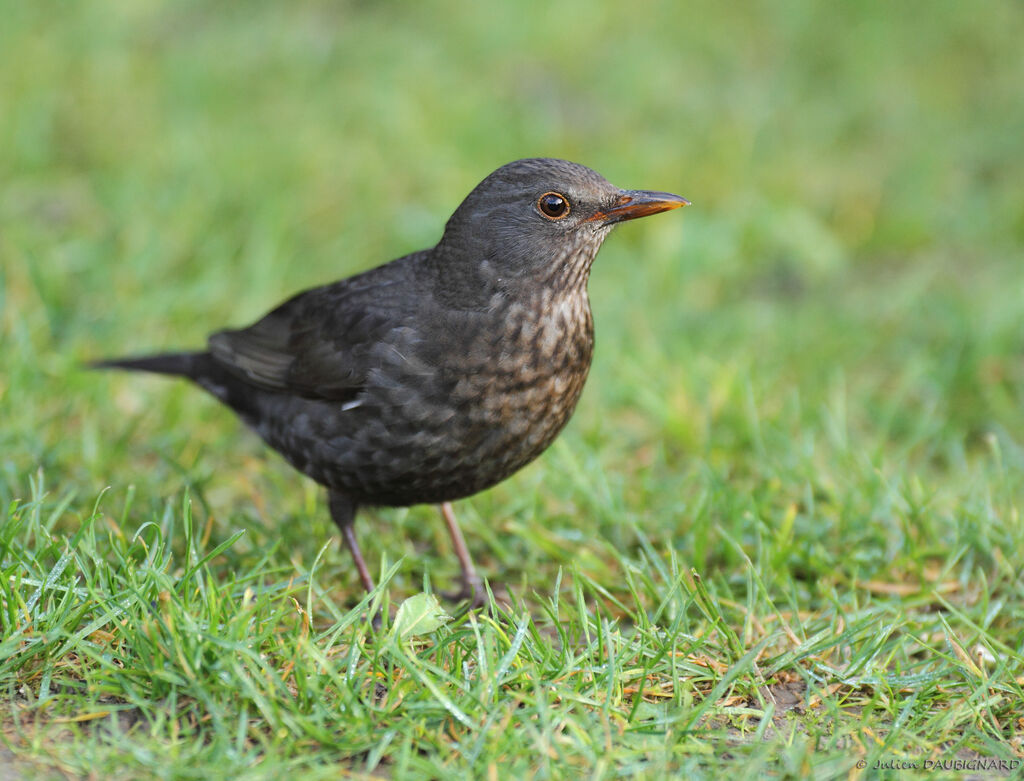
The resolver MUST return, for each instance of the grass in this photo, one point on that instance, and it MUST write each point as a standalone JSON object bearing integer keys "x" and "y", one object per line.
{"x": 782, "y": 535}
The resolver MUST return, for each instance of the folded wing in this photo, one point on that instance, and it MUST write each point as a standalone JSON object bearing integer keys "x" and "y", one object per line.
{"x": 320, "y": 344}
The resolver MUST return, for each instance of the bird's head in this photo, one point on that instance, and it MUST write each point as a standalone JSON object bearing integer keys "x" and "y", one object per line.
{"x": 542, "y": 219}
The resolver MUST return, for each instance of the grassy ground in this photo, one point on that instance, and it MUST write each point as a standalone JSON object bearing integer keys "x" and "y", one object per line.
{"x": 782, "y": 534}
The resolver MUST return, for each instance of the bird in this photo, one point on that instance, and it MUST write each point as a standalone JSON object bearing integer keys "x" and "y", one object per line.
{"x": 438, "y": 374}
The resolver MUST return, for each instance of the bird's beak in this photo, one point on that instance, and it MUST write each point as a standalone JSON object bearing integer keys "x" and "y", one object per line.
{"x": 638, "y": 203}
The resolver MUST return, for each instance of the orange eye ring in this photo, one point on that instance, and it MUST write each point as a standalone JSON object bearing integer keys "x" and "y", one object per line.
{"x": 554, "y": 206}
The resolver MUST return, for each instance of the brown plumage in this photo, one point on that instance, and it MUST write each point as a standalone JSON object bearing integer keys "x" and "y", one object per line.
{"x": 441, "y": 373}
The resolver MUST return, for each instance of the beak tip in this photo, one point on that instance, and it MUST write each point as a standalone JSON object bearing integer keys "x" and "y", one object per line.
{"x": 673, "y": 201}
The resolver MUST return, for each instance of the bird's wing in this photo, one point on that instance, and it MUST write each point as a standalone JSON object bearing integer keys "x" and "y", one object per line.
{"x": 319, "y": 344}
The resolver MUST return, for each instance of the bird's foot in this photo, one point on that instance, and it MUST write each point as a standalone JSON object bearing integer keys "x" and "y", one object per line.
{"x": 472, "y": 591}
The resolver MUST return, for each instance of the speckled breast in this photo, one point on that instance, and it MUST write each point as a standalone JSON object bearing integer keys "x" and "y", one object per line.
{"x": 521, "y": 402}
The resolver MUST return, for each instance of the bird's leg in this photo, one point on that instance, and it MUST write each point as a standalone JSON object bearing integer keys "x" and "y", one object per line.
{"x": 343, "y": 511}
{"x": 472, "y": 586}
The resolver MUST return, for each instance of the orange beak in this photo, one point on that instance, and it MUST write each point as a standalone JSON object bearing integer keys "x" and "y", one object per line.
{"x": 638, "y": 203}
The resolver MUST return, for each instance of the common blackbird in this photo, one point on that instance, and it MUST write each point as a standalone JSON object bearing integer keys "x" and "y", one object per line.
{"x": 441, "y": 373}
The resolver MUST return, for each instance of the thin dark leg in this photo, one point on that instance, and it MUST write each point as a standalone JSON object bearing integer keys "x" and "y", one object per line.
{"x": 343, "y": 511}
{"x": 472, "y": 586}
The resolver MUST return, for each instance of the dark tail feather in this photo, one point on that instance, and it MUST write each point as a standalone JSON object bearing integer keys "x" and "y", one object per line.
{"x": 182, "y": 364}
{"x": 203, "y": 370}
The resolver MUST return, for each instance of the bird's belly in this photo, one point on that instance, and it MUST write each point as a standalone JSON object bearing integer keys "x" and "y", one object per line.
{"x": 517, "y": 418}
{"x": 468, "y": 426}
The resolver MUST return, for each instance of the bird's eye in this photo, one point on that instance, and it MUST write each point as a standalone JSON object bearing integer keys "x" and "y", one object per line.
{"x": 553, "y": 206}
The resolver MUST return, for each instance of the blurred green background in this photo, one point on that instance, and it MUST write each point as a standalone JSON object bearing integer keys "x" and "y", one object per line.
{"x": 837, "y": 314}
